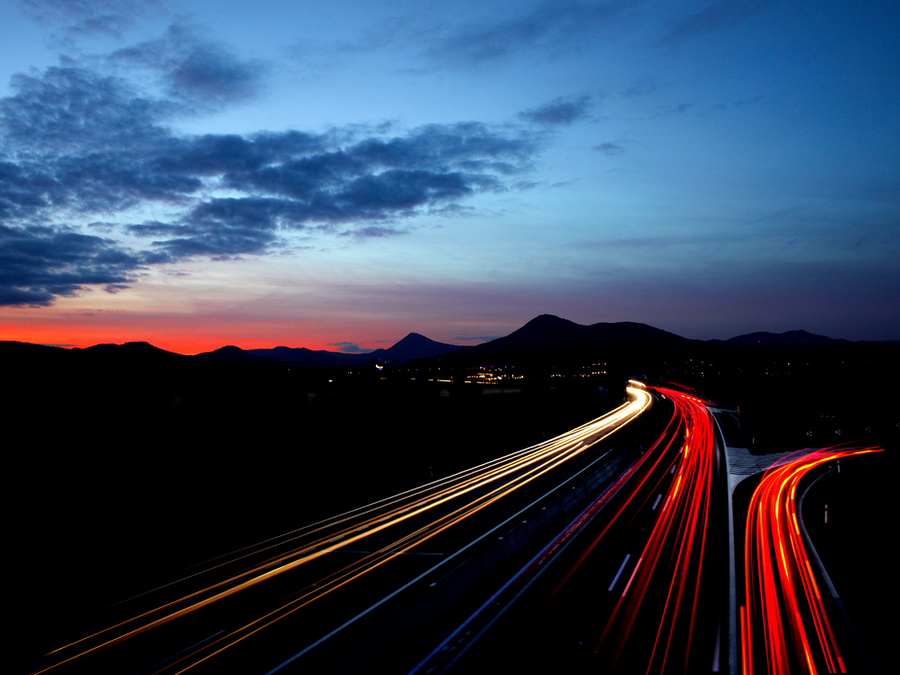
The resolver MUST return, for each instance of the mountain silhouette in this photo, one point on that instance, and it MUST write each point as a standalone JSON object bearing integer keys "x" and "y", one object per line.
{"x": 230, "y": 353}
{"x": 788, "y": 339}
{"x": 130, "y": 350}
{"x": 544, "y": 332}
{"x": 302, "y": 355}
{"x": 551, "y": 332}
{"x": 415, "y": 346}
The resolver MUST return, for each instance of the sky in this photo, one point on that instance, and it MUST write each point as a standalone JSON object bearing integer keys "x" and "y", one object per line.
{"x": 337, "y": 175}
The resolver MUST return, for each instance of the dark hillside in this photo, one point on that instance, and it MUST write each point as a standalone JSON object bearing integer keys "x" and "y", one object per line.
{"x": 551, "y": 332}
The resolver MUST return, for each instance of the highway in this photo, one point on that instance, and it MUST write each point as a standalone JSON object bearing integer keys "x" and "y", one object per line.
{"x": 273, "y": 605}
{"x": 784, "y": 622}
{"x": 637, "y": 583}
{"x": 633, "y": 578}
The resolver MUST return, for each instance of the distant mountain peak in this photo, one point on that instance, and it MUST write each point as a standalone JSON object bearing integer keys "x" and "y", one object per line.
{"x": 786, "y": 339}
{"x": 230, "y": 353}
{"x": 416, "y": 346}
{"x": 548, "y": 321}
{"x": 130, "y": 349}
{"x": 413, "y": 346}
{"x": 550, "y": 332}
{"x": 413, "y": 337}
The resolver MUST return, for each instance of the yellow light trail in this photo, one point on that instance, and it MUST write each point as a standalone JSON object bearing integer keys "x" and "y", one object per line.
{"x": 474, "y": 488}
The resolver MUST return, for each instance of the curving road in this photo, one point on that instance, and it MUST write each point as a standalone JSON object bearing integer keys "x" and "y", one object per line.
{"x": 637, "y": 583}
{"x": 784, "y": 625}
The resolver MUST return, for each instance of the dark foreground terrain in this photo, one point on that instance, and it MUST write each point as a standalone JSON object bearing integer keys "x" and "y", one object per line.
{"x": 135, "y": 466}
{"x": 856, "y": 544}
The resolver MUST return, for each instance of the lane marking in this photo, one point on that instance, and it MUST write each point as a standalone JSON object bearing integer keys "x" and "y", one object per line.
{"x": 619, "y": 573}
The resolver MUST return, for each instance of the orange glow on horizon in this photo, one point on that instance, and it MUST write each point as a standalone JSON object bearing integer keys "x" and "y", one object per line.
{"x": 168, "y": 335}
{"x": 194, "y": 333}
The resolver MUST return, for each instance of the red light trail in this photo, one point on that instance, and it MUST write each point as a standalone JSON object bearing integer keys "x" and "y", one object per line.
{"x": 783, "y": 623}
{"x": 675, "y": 547}
{"x": 662, "y": 610}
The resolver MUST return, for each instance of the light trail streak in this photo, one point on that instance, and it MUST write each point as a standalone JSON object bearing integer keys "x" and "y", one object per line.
{"x": 663, "y": 587}
{"x": 783, "y": 622}
{"x": 682, "y": 522}
{"x": 451, "y": 500}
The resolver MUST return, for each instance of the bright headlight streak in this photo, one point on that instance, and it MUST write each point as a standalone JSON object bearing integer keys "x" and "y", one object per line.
{"x": 344, "y": 541}
{"x": 349, "y": 576}
{"x": 344, "y": 578}
{"x": 531, "y": 463}
{"x": 345, "y": 538}
{"x": 657, "y": 453}
{"x": 371, "y": 562}
{"x": 308, "y": 549}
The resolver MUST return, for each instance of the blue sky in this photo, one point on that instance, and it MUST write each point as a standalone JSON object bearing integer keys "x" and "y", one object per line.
{"x": 204, "y": 173}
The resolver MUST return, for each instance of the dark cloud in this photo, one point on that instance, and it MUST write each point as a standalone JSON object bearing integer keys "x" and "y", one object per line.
{"x": 193, "y": 69}
{"x": 562, "y": 111}
{"x": 85, "y": 142}
{"x": 73, "y": 111}
{"x": 399, "y": 190}
{"x": 609, "y": 148}
{"x": 551, "y": 26}
{"x": 39, "y": 264}
{"x": 86, "y": 17}
{"x": 308, "y": 182}
{"x": 219, "y": 228}
{"x": 373, "y": 232}
{"x": 454, "y": 210}
{"x": 349, "y": 347}
{"x": 212, "y": 155}
{"x": 23, "y": 193}
{"x": 713, "y": 17}
{"x": 77, "y": 144}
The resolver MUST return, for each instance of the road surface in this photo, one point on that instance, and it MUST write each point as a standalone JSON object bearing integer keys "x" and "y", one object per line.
{"x": 273, "y": 605}
{"x": 637, "y": 583}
